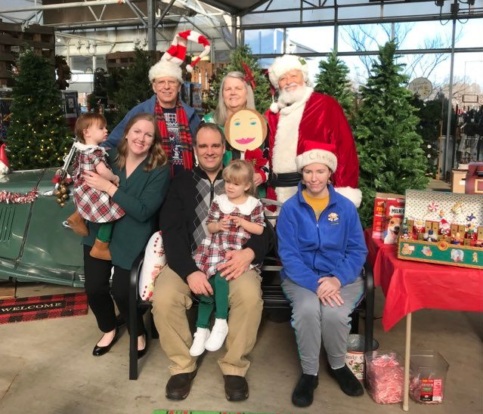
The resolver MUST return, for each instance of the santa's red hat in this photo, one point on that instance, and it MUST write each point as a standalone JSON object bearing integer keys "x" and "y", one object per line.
{"x": 170, "y": 63}
{"x": 3, "y": 158}
{"x": 309, "y": 152}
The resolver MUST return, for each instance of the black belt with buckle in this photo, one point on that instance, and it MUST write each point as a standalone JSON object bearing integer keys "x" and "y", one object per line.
{"x": 285, "y": 179}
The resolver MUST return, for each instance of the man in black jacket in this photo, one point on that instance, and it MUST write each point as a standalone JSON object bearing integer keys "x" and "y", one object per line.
{"x": 182, "y": 221}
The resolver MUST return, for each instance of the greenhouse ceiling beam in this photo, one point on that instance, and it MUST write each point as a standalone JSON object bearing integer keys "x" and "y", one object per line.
{"x": 62, "y": 6}
{"x": 376, "y": 52}
{"x": 358, "y": 21}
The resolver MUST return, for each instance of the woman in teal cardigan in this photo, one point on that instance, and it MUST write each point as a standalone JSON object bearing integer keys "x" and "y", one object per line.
{"x": 141, "y": 165}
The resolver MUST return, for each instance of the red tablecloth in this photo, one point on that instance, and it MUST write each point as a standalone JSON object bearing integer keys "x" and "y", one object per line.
{"x": 410, "y": 286}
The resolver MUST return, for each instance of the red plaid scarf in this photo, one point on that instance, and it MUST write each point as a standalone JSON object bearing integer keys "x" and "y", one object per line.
{"x": 186, "y": 142}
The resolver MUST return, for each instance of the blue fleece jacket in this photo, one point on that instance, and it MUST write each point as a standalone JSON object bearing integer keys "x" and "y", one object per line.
{"x": 333, "y": 245}
{"x": 148, "y": 106}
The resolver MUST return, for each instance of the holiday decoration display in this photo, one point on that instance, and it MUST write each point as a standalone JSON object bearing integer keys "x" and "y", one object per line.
{"x": 428, "y": 371}
{"x": 385, "y": 377}
{"x": 176, "y": 53}
{"x": 62, "y": 192}
{"x": 10, "y": 197}
{"x": 444, "y": 228}
{"x": 37, "y": 134}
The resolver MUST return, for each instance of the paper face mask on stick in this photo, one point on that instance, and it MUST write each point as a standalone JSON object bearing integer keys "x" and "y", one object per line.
{"x": 246, "y": 130}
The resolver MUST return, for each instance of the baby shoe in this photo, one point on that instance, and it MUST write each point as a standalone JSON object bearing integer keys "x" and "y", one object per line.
{"x": 218, "y": 335}
{"x": 200, "y": 337}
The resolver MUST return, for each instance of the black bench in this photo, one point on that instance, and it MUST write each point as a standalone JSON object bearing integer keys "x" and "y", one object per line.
{"x": 274, "y": 303}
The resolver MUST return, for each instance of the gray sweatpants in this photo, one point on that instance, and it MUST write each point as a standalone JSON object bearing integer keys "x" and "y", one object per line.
{"x": 314, "y": 323}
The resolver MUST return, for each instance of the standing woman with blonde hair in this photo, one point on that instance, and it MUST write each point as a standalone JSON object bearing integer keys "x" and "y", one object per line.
{"x": 141, "y": 165}
{"x": 236, "y": 93}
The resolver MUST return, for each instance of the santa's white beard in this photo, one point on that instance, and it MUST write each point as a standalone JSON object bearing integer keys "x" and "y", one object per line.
{"x": 288, "y": 97}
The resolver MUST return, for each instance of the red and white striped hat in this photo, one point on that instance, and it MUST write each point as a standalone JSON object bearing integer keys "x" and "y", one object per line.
{"x": 170, "y": 63}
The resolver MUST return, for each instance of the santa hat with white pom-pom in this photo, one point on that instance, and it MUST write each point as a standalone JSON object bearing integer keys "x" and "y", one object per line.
{"x": 170, "y": 63}
{"x": 280, "y": 66}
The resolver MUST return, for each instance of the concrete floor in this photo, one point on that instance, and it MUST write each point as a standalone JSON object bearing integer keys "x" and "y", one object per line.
{"x": 46, "y": 367}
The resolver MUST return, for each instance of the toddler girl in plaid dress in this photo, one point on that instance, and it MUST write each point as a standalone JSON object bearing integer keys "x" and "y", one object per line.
{"x": 93, "y": 205}
{"x": 232, "y": 218}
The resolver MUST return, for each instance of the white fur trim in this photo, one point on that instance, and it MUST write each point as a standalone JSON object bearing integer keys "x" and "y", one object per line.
{"x": 285, "y": 63}
{"x": 3, "y": 168}
{"x": 287, "y": 136}
{"x": 274, "y": 107}
{"x": 284, "y": 193}
{"x": 165, "y": 68}
{"x": 319, "y": 156}
{"x": 353, "y": 194}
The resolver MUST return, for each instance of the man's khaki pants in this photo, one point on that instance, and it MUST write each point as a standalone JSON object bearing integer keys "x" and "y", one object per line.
{"x": 171, "y": 300}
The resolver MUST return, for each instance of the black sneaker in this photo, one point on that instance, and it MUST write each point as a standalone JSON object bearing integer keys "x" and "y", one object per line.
{"x": 303, "y": 394}
{"x": 347, "y": 381}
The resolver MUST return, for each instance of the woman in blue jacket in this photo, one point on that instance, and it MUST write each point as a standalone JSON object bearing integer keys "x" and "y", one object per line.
{"x": 322, "y": 248}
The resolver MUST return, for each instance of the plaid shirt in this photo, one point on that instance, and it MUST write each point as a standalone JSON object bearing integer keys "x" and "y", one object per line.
{"x": 93, "y": 205}
{"x": 213, "y": 248}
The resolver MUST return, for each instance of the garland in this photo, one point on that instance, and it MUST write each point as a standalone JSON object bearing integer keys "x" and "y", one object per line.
{"x": 18, "y": 198}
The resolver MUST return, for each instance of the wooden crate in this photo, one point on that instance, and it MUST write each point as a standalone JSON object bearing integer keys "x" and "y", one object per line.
{"x": 203, "y": 72}
{"x": 13, "y": 38}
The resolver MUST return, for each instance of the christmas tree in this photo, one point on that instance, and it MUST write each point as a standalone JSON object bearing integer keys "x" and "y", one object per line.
{"x": 429, "y": 128}
{"x": 333, "y": 80}
{"x": 389, "y": 147}
{"x": 240, "y": 56}
{"x": 130, "y": 86}
{"x": 38, "y": 136}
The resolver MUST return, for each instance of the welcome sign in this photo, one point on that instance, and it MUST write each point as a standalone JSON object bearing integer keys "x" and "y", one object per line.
{"x": 42, "y": 307}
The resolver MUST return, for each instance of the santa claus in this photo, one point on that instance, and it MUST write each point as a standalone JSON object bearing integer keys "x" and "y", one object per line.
{"x": 301, "y": 114}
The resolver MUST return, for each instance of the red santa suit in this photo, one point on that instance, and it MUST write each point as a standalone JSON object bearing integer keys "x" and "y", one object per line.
{"x": 315, "y": 117}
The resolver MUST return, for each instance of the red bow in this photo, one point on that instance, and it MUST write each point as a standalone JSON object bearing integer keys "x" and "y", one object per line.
{"x": 249, "y": 78}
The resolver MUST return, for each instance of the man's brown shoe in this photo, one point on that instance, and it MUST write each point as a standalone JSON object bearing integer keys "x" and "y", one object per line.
{"x": 179, "y": 386}
{"x": 236, "y": 388}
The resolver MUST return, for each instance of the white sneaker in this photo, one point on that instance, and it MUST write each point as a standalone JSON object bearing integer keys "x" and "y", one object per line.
{"x": 200, "y": 337}
{"x": 217, "y": 336}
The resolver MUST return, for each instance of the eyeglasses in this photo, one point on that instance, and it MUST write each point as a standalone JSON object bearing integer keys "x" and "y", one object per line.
{"x": 165, "y": 82}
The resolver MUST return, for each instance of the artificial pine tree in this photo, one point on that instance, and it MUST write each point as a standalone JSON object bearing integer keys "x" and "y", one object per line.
{"x": 429, "y": 128}
{"x": 333, "y": 79}
{"x": 38, "y": 136}
{"x": 389, "y": 147}
{"x": 240, "y": 55}
{"x": 132, "y": 84}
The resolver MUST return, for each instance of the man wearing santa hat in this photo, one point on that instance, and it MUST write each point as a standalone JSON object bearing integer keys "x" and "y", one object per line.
{"x": 301, "y": 114}
{"x": 177, "y": 121}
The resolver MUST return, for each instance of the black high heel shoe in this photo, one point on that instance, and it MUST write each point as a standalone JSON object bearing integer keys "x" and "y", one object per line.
{"x": 143, "y": 352}
{"x": 101, "y": 350}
